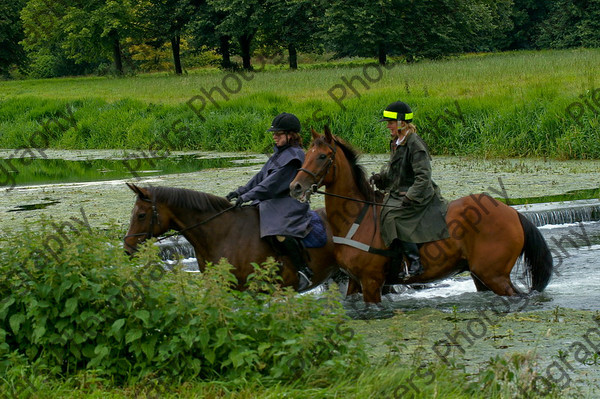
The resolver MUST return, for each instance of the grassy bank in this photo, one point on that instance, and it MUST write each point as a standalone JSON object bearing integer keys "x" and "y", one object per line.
{"x": 508, "y": 104}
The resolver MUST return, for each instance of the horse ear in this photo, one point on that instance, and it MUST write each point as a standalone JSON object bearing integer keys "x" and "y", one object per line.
{"x": 314, "y": 133}
{"x": 138, "y": 191}
{"x": 328, "y": 135}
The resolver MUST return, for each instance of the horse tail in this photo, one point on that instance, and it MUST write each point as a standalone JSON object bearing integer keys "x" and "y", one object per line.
{"x": 538, "y": 258}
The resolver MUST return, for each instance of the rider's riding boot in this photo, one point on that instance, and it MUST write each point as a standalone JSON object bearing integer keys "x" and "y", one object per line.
{"x": 295, "y": 251}
{"x": 412, "y": 253}
{"x": 397, "y": 262}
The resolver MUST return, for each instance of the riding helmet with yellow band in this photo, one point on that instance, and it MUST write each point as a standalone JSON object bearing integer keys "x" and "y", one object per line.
{"x": 398, "y": 111}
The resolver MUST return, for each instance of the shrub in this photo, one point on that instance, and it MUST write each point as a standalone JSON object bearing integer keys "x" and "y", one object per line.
{"x": 73, "y": 302}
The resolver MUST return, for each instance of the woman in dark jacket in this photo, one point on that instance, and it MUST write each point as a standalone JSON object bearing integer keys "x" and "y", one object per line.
{"x": 283, "y": 219}
{"x": 416, "y": 209}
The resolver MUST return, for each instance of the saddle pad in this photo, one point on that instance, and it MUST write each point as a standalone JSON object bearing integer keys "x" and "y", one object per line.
{"x": 317, "y": 237}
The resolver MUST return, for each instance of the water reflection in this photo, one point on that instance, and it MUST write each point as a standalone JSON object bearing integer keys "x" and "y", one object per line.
{"x": 45, "y": 171}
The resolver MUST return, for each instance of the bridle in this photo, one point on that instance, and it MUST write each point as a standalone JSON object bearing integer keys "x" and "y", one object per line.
{"x": 324, "y": 169}
{"x": 314, "y": 188}
{"x": 156, "y": 221}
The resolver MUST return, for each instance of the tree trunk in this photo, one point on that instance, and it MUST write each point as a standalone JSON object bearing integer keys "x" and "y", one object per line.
{"x": 245, "y": 41}
{"x": 225, "y": 49}
{"x": 293, "y": 56}
{"x": 382, "y": 55}
{"x": 175, "y": 41}
{"x": 117, "y": 55}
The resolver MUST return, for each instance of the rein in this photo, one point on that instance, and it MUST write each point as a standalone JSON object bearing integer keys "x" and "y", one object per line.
{"x": 196, "y": 225}
{"x": 331, "y": 161}
{"x": 156, "y": 220}
{"x": 313, "y": 189}
{"x": 349, "y": 238}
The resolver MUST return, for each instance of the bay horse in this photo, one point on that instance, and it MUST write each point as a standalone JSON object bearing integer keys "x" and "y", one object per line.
{"x": 486, "y": 236}
{"x": 217, "y": 230}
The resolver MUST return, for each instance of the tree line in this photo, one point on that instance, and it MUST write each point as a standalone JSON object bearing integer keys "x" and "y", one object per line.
{"x": 68, "y": 37}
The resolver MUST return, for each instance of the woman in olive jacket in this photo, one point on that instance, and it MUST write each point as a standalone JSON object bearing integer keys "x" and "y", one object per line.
{"x": 414, "y": 209}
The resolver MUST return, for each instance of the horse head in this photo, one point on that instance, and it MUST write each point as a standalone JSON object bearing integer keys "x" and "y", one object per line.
{"x": 319, "y": 166}
{"x": 149, "y": 219}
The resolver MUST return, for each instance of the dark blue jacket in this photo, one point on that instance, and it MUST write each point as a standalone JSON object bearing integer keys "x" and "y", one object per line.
{"x": 280, "y": 214}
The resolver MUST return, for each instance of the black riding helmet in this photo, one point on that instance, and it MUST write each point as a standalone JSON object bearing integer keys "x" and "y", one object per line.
{"x": 285, "y": 122}
{"x": 398, "y": 111}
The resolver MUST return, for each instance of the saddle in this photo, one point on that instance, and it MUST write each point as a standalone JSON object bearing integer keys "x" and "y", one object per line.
{"x": 317, "y": 237}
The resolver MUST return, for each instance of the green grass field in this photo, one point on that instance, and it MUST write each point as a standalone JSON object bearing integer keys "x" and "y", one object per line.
{"x": 487, "y": 105}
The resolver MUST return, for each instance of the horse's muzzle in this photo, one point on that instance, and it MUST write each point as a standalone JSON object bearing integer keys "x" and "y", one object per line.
{"x": 299, "y": 192}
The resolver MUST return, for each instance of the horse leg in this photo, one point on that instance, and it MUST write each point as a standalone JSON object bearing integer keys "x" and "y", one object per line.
{"x": 371, "y": 288}
{"x": 500, "y": 284}
{"x": 353, "y": 287}
{"x": 478, "y": 284}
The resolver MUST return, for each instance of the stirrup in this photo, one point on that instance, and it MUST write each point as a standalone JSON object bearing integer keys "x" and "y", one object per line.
{"x": 304, "y": 282}
{"x": 413, "y": 273}
{"x": 403, "y": 272}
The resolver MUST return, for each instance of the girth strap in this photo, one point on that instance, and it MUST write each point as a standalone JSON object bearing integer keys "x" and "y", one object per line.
{"x": 347, "y": 240}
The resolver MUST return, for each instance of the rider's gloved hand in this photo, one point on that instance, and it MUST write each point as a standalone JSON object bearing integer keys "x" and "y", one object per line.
{"x": 232, "y": 195}
{"x": 406, "y": 201}
{"x": 239, "y": 202}
{"x": 377, "y": 180}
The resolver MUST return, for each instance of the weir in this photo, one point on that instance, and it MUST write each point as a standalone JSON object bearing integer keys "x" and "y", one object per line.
{"x": 178, "y": 247}
{"x": 561, "y": 212}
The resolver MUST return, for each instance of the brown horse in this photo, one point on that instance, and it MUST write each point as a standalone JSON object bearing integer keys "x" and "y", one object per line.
{"x": 217, "y": 230}
{"x": 486, "y": 236}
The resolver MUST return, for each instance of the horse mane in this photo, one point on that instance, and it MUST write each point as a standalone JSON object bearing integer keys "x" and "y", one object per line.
{"x": 190, "y": 199}
{"x": 358, "y": 171}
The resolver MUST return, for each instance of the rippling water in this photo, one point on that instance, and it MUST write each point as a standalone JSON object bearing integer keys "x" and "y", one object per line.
{"x": 574, "y": 284}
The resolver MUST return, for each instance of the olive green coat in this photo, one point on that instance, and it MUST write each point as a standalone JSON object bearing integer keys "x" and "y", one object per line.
{"x": 408, "y": 173}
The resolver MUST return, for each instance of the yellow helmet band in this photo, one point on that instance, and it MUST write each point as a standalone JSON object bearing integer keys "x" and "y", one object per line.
{"x": 394, "y": 115}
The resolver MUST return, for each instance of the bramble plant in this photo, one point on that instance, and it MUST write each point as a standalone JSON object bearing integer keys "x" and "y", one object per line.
{"x": 77, "y": 312}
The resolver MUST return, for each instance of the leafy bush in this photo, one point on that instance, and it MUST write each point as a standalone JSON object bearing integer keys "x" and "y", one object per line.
{"x": 73, "y": 302}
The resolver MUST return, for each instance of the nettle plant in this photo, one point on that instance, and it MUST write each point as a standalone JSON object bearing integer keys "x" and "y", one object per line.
{"x": 93, "y": 308}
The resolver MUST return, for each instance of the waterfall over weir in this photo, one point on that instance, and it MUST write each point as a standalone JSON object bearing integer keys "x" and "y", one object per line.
{"x": 178, "y": 247}
{"x": 561, "y": 212}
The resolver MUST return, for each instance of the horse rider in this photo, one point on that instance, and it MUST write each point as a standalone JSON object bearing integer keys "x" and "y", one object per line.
{"x": 283, "y": 219}
{"x": 414, "y": 209}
